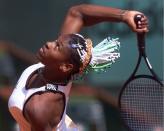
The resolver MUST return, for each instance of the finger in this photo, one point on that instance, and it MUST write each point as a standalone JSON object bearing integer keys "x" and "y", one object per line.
{"x": 144, "y": 18}
{"x": 138, "y": 25}
{"x": 142, "y": 26}
{"x": 144, "y": 22}
{"x": 142, "y": 30}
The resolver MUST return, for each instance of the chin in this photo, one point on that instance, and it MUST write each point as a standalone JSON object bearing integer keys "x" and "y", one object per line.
{"x": 39, "y": 57}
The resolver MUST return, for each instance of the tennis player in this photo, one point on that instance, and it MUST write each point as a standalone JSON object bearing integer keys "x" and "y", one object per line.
{"x": 39, "y": 100}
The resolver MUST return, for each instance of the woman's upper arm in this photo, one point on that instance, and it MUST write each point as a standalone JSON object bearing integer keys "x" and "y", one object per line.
{"x": 38, "y": 115}
{"x": 73, "y": 21}
{"x": 36, "y": 118}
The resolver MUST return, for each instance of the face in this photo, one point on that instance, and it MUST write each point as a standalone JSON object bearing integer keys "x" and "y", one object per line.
{"x": 54, "y": 53}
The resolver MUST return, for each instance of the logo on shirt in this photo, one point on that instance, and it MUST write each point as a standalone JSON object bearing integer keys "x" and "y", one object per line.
{"x": 51, "y": 87}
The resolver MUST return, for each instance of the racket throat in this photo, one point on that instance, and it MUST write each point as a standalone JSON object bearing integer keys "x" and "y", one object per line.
{"x": 136, "y": 68}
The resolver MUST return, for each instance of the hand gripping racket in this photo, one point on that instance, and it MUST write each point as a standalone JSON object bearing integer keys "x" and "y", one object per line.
{"x": 141, "y": 98}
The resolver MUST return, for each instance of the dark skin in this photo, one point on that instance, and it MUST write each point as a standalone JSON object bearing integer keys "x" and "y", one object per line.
{"x": 55, "y": 57}
{"x": 52, "y": 51}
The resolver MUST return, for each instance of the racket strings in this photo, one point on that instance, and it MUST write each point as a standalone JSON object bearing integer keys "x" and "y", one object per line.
{"x": 142, "y": 105}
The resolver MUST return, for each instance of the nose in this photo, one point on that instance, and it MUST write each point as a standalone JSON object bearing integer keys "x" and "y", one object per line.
{"x": 49, "y": 45}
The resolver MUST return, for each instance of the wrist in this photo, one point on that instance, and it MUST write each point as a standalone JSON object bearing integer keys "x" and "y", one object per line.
{"x": 123, "y": 14}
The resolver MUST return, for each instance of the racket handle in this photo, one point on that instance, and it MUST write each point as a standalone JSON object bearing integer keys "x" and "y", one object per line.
{"x": 140, "y": 36}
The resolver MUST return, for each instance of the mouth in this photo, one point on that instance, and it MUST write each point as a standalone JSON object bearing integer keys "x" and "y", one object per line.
{"x": 41, "y": 51}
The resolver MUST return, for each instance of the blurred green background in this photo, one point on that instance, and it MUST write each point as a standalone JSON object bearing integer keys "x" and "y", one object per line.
{"x": 31, "y": 23}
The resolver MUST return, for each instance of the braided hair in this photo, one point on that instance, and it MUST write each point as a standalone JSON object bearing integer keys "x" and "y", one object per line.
{"x": 86, "y": 58}
{"x": 77, "y": 47}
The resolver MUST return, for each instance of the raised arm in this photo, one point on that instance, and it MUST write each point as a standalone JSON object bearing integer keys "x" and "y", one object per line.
{"x": 86, "y": 15}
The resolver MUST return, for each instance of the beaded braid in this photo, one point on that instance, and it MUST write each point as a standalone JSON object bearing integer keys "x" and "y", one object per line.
{"x": 104, "y": 55}
{"x": 99, "y": 58}
{"x": 87, "y": 56}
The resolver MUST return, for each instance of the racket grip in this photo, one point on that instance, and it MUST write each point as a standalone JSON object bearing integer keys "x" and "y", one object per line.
{"x": 140, "y": 36}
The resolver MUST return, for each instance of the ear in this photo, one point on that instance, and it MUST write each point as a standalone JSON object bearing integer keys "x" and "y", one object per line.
{"x": 66, "y": 67}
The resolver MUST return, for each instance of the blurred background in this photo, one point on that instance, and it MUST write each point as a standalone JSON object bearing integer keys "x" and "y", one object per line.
{"x": 27, "y": 25}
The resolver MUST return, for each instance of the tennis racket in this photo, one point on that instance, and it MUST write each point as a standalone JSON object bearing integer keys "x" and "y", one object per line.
{"x": 141, "y": 98}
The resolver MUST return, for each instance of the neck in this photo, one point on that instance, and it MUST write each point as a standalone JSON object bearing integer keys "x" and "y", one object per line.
{"x": 50, "y": 77}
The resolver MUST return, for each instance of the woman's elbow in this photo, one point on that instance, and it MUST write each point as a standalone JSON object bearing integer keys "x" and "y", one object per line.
{"x": 75, "y": 11}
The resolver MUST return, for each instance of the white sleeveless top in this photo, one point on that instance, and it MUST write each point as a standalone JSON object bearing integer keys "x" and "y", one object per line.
{"x": 20, "y": 95}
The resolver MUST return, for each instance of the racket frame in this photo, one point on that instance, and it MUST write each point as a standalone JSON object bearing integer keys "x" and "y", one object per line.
{"x": 142, "y": 54}
{"x": 124, "y": 87}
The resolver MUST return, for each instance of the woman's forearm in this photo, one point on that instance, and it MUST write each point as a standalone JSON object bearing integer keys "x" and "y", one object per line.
{"x": 93, "y": 14}
{"x": 86, "y": 15}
